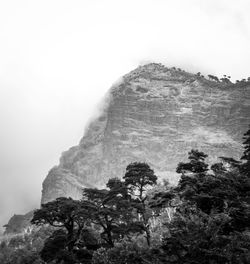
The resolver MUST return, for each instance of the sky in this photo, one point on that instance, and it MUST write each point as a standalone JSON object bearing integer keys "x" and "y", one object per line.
{"x": 59, "y": 58}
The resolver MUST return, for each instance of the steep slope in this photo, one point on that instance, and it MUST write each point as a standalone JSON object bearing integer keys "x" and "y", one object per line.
{"x": 155, "y": 114}
{"x": 18, "y": 223}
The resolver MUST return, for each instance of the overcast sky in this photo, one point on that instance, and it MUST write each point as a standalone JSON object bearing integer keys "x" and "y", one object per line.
{"x": 59, "y": 58}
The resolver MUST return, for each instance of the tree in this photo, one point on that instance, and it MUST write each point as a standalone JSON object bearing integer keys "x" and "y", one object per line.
{"x": 195, "y": 165}
{"x": 218, "y": 168}
{"x": 212, "y": 221}
{"x": 197, "y": 237}
{"x": 230, "y": 163}
{"x": 225, "y": 80}
{"x": 193, "y": 173}
{"x": 55, "y": 247}
{"x": 139, "y": 177}
{"x": 110, "y": 209}
{"x": 122, "y": 253}
{"x": 64, "y": 213}
{"x": 245, "y": 168}
{"x": 162, "y": 200}
{"x": 210, "y": 225}
{"x": 213, "y": 78}
{"x": 211, "y": 191}
{"x": 101, "y": 214}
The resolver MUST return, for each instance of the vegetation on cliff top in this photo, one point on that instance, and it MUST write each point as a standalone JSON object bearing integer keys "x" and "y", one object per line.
{"x": 224, "y": 80}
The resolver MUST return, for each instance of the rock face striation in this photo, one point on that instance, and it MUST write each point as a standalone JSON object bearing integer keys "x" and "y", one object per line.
{"x": 156, "y": 115}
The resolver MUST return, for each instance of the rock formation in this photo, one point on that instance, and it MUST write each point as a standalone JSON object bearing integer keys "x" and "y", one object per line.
{"x": 154, "y": 114}
{"x": 18, "y": 223}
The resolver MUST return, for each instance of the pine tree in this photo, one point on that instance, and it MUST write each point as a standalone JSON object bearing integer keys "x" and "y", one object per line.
{"x": 195, "y": 165}
{"x": 111, "y": 209}
{"x": 245, "y": 167}
{"x": 139, "y": 177}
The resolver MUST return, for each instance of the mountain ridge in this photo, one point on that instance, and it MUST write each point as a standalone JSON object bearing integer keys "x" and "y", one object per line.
{"x": 153, "y": 114}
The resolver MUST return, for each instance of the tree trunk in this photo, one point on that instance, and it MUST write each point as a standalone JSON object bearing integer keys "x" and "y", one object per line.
{"x": 148, "y": 236}
{"x": 146, "y": 225}
{"x": 70, "y": 238}
{"x": 109, "y": 238}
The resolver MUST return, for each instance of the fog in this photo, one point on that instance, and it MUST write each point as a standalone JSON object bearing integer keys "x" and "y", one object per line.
{"x": 59, "y": 58}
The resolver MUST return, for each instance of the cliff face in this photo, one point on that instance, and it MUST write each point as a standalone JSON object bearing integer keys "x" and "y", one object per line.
{"x": 156, "y": 115}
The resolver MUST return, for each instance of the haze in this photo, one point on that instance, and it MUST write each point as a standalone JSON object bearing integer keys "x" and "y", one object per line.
{"x": 59, "y": 58}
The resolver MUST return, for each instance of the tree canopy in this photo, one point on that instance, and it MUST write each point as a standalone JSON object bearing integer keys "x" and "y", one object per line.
{"x": 205, "y": 219}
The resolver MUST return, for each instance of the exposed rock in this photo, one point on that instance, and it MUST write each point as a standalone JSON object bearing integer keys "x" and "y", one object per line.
{"x": 156, "y": 115}
{"x": 18, "y": 223}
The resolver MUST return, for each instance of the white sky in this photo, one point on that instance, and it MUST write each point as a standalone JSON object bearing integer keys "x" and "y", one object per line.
{"x": 58, "y": 58}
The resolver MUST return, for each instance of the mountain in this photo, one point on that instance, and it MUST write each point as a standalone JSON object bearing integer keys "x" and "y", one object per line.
{"x": 156, "y": 115}
{"x": 18, "y": 223}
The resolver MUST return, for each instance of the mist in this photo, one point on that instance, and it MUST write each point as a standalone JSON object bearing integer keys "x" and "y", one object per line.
{"x": 59, "y": 58}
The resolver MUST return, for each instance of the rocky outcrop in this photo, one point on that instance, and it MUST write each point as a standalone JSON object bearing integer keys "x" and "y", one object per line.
{"x": 18, "y": 223}
{"x": 156, "y": 115}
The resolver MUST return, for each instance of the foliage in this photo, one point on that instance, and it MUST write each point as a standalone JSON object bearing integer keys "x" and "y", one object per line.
{"x": 54, "y": 246}
{"x": 23, "y": 248}
{"x": 111, "y": 210}
{"x": 205, "y": 219}
{"x": 71, "y": 217}
{"x": 195, "y": 165}
{"x": 197, "y": 237}
{"x": 123, "y": 253}
{"x": 139, "y": 177}
{"x": 212, "y": 221}
{"x": 63, "y": 213}
{"x": 213, "y": 78}
{"x": 245, "y": 168}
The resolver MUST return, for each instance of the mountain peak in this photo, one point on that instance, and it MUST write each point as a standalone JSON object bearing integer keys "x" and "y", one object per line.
{"x": 154, "y": 69}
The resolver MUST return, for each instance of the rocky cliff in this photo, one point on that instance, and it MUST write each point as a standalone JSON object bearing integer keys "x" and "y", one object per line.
{"x": 154, "y": 114}
{"x": 18, "y": 223}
